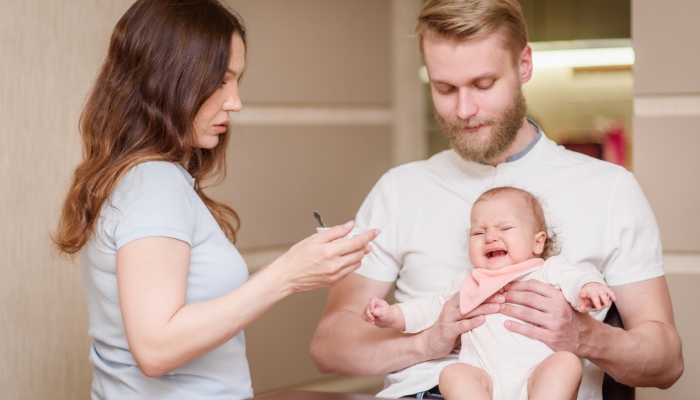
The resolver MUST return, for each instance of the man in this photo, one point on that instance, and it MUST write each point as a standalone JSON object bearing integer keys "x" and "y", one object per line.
{"x": 477, "y": 57}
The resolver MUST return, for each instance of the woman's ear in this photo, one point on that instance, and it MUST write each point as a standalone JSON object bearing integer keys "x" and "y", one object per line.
{"x": 540, "y": 237}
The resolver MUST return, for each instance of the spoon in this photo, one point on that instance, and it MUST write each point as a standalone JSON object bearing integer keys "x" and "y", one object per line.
{"x": 318, "y": 218}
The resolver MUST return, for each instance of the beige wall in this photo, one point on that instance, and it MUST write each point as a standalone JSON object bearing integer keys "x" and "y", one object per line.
{"x": 667, "y": 110}
{"x": 318, "y": 129}
{"x": 50, "y": 52}
{"x": 324, "y": 94}
{"x": 666, "y": 142}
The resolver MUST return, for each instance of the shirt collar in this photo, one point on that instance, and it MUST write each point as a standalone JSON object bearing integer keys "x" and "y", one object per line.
{"x": 187, "y": 175}
{"x": 529, "y": 146}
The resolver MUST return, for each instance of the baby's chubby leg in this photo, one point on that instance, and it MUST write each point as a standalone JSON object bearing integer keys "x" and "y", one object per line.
{"x": 463, "y": 381}
{"x": 557, "y": 377}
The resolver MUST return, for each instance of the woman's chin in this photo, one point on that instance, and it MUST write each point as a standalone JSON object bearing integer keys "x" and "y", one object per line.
{"x": 208, "y": 143}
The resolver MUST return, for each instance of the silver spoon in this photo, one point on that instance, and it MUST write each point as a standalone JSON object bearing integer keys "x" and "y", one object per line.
{"x": 318, "y": 218}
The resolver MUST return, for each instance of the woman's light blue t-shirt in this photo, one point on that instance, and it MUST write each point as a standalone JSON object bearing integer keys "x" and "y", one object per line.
{"x": 158, "y": 199}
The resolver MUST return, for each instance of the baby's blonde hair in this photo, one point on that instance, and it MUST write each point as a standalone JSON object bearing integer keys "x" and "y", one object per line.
{"x": 551, "y": 246}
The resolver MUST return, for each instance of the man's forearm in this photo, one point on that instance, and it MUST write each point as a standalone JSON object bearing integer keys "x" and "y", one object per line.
{"x": 346, "y": 344}
{"x": 647, "y": 355}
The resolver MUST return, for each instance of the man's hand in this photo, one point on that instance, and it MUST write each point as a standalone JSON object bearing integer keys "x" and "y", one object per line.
{"x": 647, "y": 353}
{"x": 444, "y": 336}
{"x": 595, "y": 295}
{"x": 554, "y": 322}
{"x": 344, "y": 343}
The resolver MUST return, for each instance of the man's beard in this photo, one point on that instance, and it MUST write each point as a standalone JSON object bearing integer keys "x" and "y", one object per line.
{"x": 504, "y": 129}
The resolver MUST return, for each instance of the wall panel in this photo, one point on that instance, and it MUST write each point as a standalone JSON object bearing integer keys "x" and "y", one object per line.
{"x": 278, "y": 176}
{"x": 278, "y": 343}
{"x": 317, "y": 51}
{"x": 666, "y": 141}
{"x": 665, "y": 46}
{"x": 667, "y": 167}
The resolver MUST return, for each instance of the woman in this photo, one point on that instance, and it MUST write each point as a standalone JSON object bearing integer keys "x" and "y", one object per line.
{"x": 168, "y": 294}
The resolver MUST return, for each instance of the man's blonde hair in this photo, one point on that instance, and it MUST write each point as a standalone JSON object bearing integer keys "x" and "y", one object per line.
{"x": 467, "y": 20}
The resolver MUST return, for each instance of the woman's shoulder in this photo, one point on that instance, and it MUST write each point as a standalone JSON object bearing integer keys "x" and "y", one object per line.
{"x": 160, "y": 170}
{"x": 152, "y": 181}
{"x": 157, "y": 174}
{"x": 151, "y": 199}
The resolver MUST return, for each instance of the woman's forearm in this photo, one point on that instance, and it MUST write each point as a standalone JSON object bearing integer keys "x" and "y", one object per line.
{"x": 163, "y": 333}
{"x": 197, "y": 329}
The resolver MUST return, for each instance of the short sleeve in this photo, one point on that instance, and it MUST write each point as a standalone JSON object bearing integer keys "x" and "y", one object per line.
{"x": 152, "y": 199}
{"x": 633, "y": 236}
{"x": 377, "y": 212}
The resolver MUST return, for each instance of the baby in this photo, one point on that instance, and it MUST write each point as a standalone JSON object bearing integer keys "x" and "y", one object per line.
{"x": 508, "y": 241}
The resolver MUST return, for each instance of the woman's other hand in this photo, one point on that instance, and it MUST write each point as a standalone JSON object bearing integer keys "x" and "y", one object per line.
{"x": 322, "y": 260}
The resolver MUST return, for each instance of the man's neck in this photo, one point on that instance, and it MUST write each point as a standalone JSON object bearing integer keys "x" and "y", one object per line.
{"x": 526, "y": 134}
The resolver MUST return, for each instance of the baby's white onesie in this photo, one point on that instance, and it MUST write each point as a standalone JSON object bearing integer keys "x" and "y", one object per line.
{"x": 508, "y": 358}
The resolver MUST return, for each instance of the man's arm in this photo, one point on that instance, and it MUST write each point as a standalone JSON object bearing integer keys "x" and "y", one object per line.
{"x": 344, "y": 343}
{"x": 647, "y": 353}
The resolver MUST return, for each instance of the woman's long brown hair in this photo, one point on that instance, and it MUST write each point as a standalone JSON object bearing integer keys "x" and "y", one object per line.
{"x": 165, "y": 58}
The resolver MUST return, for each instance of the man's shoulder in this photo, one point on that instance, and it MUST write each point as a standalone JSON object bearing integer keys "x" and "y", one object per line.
{"x": 558, "y": 160}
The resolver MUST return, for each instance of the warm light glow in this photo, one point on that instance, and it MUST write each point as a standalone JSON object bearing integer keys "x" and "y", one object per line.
{"x": 583, "y": 57}
{"x": 423, "y": 74}
{"x": 582, "y": 53}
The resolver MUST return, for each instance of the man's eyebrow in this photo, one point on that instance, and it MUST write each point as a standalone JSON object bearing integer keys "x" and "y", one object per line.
{"x": 490, "y": 75}
{"x": 438, "y": 82}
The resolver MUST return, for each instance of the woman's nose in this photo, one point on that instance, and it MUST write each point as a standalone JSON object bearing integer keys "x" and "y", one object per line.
{"x": 233, "y": 103}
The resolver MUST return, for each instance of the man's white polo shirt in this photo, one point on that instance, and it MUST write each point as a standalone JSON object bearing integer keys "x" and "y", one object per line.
{"x": 603, "y": 221}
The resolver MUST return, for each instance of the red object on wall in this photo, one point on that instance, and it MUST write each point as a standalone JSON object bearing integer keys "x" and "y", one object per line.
{"x": 614, "y": 149}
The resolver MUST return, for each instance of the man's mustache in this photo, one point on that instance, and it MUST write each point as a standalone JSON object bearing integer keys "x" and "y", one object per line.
{"x": 456, "y": 123}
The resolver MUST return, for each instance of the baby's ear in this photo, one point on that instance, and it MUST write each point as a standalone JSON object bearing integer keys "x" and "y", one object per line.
{"x": 540, "y": 237}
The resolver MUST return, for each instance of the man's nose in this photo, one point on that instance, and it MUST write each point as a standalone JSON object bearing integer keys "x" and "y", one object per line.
{"x": 466, "y": 107}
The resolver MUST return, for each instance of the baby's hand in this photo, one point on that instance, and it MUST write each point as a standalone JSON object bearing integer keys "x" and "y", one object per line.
{"x": 378, "y": 311}
{"x": 595, "y": 295}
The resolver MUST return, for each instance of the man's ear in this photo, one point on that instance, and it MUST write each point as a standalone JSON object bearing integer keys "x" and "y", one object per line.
{"x": 525, "y": 64}
{"x": 540, "y": 237}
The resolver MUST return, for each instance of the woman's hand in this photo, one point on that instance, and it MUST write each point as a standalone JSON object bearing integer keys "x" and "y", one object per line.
{"x": 323, "y": 259}
{"x": 165, "y": 333}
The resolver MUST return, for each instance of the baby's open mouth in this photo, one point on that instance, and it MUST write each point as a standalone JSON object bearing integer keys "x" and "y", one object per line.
{"x": 495, "y": 253}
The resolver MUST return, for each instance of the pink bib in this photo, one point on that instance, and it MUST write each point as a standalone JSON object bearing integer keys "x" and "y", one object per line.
{"x": 482, "y": 283}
